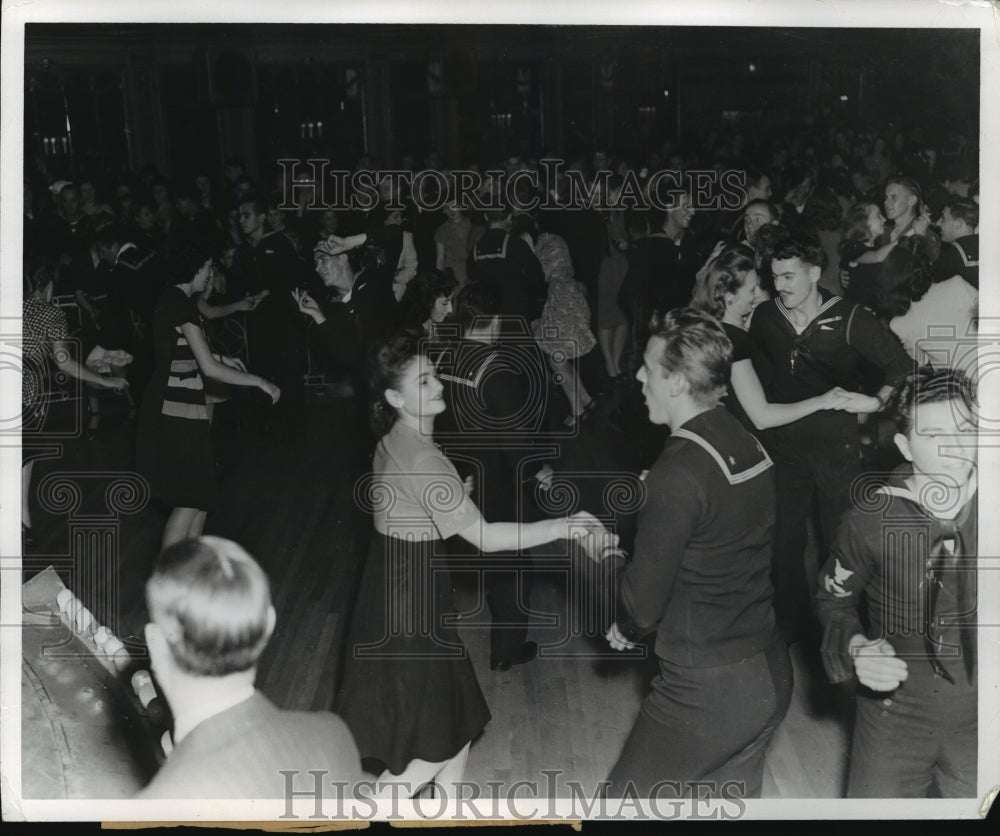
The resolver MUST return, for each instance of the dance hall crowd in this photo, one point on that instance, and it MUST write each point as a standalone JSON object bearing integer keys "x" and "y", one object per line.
{"x": 808, "y": 354}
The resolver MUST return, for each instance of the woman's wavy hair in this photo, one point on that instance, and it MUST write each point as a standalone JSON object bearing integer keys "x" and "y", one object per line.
{"x": 724, "y": 276}
{"x": 855, "y": 227}
{"x": 423, "y": 291}
{"x": 387, "y": 362}
{"x": 904, "y": 276}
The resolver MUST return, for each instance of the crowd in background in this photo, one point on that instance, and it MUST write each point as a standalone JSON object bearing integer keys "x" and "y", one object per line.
{"x": 849, "y": 260}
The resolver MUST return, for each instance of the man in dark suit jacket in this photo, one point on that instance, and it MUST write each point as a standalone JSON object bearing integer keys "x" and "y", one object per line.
{"x": 211, "y": 617}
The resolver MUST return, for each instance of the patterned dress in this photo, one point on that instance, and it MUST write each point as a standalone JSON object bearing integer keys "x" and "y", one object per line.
{"x": 564, "y": 326}
{"x": 174, "y": 442}
{"x": 44, "y": 324}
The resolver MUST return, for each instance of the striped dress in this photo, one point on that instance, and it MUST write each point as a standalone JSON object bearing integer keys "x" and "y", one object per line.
{"x": 174, "y": 441}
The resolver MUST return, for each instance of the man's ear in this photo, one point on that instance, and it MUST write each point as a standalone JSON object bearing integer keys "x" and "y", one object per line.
{"x": 272, "y": 619}
{"x": 678, "y": 385}
{"x": 903, "y": 443}
{"x": 159, "y": 648}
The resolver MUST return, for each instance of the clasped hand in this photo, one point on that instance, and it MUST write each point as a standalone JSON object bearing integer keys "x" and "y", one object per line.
{"x": 589, "y": 532}
{"x": 853, "y": 402}
{"x": 617, "y": 640}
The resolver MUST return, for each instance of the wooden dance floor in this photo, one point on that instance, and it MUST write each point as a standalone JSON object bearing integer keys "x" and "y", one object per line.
{"x": 291, "y": 504}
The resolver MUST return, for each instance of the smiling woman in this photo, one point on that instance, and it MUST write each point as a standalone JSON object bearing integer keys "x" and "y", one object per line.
{"x": 410, "y": 694}
{"x": 729, "y": 290}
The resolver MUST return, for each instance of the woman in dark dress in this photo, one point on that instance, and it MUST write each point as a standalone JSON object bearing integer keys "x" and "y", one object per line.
{"x": 174, "y": 442}
{"x": 729, "y": 290}
{"x": 410, "y": 694}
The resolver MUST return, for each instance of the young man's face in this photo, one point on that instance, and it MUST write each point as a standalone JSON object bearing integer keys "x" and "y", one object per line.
{"x": 942, "y": 442}
{"x": 754, "y": 218}
{"x": 794, "y": 280}
{"x": 145, "y": 218}
{"x": 951, "y": 228}
{"x": 69, "y": 201}
{"x": 335, "y": 271}
{"x": 656, "y": 386}
{"x": 898, "y": 201}
{"x": 683, "y": 212}
{"x": 249, "y": 220}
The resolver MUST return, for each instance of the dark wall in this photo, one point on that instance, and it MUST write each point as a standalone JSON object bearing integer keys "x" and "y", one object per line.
{"x": 189, "y": 96}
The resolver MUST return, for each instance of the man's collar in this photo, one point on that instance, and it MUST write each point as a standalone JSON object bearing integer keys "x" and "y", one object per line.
{"x": 187, "y": 721}
{"x": 124, "y": 248}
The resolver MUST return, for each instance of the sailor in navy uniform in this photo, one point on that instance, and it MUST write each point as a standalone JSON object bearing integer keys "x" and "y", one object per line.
{"x": 699, "y": 578}
{"x": 906, "y": 556}
{"x": 137, "y": 278}
{"x": 266, "y": 261}
{"x": 496, "y": 406}
{"x": 807, "y": 341}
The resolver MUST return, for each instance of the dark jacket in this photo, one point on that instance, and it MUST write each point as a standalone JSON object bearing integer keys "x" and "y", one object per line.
{"x": 701, "y": 572}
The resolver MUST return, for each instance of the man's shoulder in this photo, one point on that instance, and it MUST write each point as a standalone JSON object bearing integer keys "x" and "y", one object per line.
{"x": 275, "y": 243}
{"x": 319, "y": 723}
{"x": 966, "y": 247}
{"x": 136, "y": 257}
{"x": 722, "y": 447}
{"x": 875, "y": 506}
{"x": 764, "y": 314}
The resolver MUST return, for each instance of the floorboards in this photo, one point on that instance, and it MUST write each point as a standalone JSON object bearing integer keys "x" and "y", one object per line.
{"x": 292, "y": 506}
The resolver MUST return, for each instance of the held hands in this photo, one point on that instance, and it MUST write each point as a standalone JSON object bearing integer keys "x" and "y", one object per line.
{"x": 876, "y": 664}
{"x": 860, "y": 404}
{"x": 469, "y": 484}
{"x": 590, "y": 533}
{"x": 119, "y": 384}
{"x": 836, "y": 398}
{"x": 250, "y": 303}
{"x": 544, "y": 477}
{"x": 617, "y": 640}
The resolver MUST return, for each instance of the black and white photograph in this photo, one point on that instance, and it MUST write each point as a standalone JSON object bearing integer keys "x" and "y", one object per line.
{"x": 445, "y": 413}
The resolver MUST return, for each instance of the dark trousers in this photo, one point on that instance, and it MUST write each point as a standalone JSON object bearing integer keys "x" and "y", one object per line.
{"x": 922, "y": 735}
{"x": 277, "y": 348}
{"x": 809, "y": 466}
{"x": 507, "y": 594}
{"x": 708, "y": 725}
